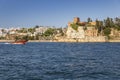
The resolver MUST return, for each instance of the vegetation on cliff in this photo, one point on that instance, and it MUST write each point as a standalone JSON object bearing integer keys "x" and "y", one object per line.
{"x": 74, "y": 26}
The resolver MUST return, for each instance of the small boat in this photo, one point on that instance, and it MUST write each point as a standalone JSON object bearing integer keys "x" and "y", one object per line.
{"x": 19, "y": 42}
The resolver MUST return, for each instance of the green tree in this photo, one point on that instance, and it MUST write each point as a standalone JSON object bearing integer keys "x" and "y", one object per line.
{"x": 107, "y": 31}
{"x": 99, "y": 25}
{"x": 49, "y": 32}
{"x": 3, "y": 30}
{"x": 16, "y": 37}
{"x": 25, "y": 37}
{"x": 32, "y": 30}
{"x": 117, "y": 23}
{"x": 74, "y": 26}
{"x": 109, "y": 22}
{"x": 36, "y": 26}
{"x": 89, "y": 20}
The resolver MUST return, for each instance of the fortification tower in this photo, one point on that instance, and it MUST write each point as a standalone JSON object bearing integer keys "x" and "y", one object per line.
{"x": 76, "y": 20}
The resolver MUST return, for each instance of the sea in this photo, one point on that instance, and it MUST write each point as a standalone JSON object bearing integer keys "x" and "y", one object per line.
{"x": 60, "y": 61}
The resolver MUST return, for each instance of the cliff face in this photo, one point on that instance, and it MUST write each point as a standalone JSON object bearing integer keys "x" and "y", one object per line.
{"x": 81, "y": 36}
{"x": 71, "y": 33}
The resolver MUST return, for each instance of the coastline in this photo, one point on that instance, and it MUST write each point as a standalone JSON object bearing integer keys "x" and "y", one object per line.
{"x": 28, "y": 41}
{"x": 6, "y": 40}
{"x": 114, "y": 41}
{"x": 58, "y": 41}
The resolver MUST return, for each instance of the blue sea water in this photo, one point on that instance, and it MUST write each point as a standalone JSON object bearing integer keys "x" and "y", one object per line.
{"x": 60, "y": 61}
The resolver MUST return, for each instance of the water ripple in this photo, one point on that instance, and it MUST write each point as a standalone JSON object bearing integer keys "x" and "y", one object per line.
{"x": 60, "y": 61}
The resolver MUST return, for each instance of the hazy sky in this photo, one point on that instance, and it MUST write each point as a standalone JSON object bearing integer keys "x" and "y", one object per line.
{"x": 28, "y": 13}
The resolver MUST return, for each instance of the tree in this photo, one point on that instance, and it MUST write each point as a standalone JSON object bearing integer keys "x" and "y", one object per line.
{"x": 49, "y": 32}
{"x": 3, "y": 30}
{"x": 32, "y": 30}
{"x": 36, "y": 26}
{"x": 117, "y": 23}
{"x": 99, "y": 25}
{"x": 107, "y": 31}
{"x": 16, "y": 37}
{"x": 74, "y": 26}
{"x": 109, "y": 22}
{"x": 89, "y": 20}
{"x": 25, "y": 37}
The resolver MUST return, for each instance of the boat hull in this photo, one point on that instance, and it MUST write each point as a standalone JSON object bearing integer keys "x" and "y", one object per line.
{"x": 19, "y": 42}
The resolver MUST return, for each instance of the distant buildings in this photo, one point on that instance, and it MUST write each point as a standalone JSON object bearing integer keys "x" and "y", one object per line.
{"x": 3, "y": 32}
{"x": 40, "y": 30}
{"x": 32, "y": 33}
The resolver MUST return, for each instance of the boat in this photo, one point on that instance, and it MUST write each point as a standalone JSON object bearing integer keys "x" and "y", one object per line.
{"x": 19, "y": 42}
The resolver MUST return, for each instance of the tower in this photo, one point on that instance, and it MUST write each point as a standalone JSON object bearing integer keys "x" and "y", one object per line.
{"x": 76, "y": 20}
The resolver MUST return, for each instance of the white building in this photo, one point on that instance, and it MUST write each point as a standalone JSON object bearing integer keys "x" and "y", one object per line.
{"x": 41, "y": 29}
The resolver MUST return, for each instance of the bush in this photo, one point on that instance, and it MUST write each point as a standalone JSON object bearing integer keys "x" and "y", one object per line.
{"x": 49, "y": 32}
{"x": 74, "y": 26}
{"x": 107, "y": 31}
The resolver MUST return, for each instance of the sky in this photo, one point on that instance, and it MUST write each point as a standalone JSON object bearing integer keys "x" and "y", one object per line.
{"x": 29, "y": 13}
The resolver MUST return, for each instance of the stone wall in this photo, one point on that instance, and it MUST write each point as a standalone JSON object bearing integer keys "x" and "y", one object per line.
{"x": 86, "y": 39}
